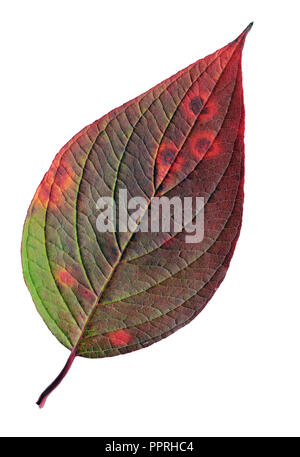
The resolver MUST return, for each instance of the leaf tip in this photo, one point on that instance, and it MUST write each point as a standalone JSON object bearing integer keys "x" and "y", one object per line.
{"x": 241, "y": 38}
{"x": 247, "y": 29}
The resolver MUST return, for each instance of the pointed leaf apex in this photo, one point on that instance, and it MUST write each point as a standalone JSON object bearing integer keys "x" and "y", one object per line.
{"x": 245, "y": 32}
{"x": 247, "y": 29}
{"x": 241, "y": 38}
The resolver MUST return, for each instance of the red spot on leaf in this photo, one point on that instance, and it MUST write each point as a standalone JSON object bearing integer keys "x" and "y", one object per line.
{"x": 208, "y": 111}
{"x": 64, "y": 277}
{"x": 119, "y": 338}
{"x": 165, "y": 157}
{"x": 86, "y": 293}
{"x": 214, "y": 150}
{"x": 201, "y": 143}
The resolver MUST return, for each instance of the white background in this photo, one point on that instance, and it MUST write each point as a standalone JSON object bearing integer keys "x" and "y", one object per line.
{"x": 235, "y": 369}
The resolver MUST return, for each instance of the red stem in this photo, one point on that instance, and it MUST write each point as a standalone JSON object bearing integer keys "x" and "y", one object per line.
{"x": 43, "y": 397}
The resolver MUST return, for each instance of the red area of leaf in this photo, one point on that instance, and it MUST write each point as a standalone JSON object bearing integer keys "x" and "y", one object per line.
{"x": 64, "y": 277}
{"x": 119, "y": 338}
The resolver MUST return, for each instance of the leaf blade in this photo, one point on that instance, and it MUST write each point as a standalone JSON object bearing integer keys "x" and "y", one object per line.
{"x": 104, "y": 294}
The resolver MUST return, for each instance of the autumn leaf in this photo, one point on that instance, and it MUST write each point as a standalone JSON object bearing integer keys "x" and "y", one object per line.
{"x": 105, "y": 293}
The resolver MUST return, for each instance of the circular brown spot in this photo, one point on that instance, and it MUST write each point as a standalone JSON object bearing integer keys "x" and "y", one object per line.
{"x": 196, "y": 104}
{"x": 202, "y": 145}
